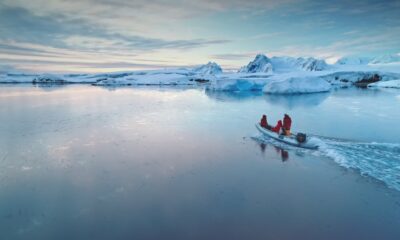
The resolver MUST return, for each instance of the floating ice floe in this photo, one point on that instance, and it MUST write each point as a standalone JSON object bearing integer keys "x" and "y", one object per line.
{"x": 293, "y": 85}
{"x": 237, "y": 84}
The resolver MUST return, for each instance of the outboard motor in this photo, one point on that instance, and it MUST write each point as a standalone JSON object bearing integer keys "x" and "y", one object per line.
{"x": 301, "y": 137}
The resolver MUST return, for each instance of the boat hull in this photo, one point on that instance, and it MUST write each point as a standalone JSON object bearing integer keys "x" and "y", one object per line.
{"x": 290, "y": 140}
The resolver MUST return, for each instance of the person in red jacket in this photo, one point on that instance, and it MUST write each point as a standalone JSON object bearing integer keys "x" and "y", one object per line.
{"x": 264, "y": 122}
{"x": 278, "y": 127}
{"x": 287, "y": 123}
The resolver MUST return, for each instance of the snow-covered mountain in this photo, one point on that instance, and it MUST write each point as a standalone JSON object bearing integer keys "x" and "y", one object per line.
{"x": 290, "y": 71}
{"x": 386, "y": 59}
{"x": 211, "y": 68}
{"x": 311, "y": 64}
{"x": 261, "y": 64}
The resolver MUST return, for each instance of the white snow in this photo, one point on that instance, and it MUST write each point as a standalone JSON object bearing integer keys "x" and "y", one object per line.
{"x": 386, "y": 59}
{"x": 294, "y": 85}
{"x": 240, "y": 84}
{"x": 48, "y": 78}
{"x": 311, "y": 64}
{"x": 261, "y": 64}
{"x": 274, "y": 75}
{"x": 349, "y": 78}
{"x": 353, "y": 61}
{"x": 386, "y": 84}
{"x": 146, "y": 79}
{"x": 210, "y": 68}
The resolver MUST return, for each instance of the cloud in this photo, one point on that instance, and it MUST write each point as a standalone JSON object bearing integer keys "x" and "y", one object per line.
{"x": 85, "y": 64}
{"x": 57, "y": 30}
{"x": 360, "y": 45}
{"x": 49, "y": 37}
{"x": 129, "y": 33}
{"x": 140, "y": 16}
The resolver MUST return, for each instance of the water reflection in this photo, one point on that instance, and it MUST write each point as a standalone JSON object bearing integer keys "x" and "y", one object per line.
{"x": 233, "y": 96}
{"x": 287, "y": 101}
{"x": 298, "y": 100}
{"x": 50, "y": 86}
{"x": 160, "y": 88}
{"x": 284, "y": 155}
{"x": 159, "y": 162}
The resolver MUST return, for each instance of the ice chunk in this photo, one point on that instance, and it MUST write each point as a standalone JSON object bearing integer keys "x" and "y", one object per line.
{"x": 293, "y": 85}
{"x": 240, "y": 84}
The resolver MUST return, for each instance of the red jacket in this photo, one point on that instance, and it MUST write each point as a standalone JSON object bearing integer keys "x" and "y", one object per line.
{"x": 264, "y": 122}
{"x": 287, "y": 122}
{"x": 277, "y": 128}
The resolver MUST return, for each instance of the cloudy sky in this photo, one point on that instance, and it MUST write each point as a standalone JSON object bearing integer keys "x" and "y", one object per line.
{"x": 115, "y": 35}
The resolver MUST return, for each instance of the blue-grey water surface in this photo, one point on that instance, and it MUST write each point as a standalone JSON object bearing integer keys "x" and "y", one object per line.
{"x": 84, "y": 162}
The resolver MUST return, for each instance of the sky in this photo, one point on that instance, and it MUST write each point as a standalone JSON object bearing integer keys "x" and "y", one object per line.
{"x": 117, "y": 35}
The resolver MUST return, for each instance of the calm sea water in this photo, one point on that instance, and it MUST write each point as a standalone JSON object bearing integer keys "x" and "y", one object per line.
{"x": 84, "y": 162}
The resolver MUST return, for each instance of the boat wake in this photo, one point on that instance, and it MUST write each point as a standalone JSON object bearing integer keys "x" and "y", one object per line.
{"x": 377, "y": 160}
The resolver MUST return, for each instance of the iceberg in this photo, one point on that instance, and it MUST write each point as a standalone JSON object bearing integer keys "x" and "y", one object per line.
{"x": 240, "y": 84}
{"x": 293, "y": 85}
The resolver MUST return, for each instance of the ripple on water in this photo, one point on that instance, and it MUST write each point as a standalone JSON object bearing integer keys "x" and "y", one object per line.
{"x": 378, "y": 160}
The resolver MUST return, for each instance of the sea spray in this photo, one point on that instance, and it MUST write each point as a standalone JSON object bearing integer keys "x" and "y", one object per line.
{"x": 378, "y": 160}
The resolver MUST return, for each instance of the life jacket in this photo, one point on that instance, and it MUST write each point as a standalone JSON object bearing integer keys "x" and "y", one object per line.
{"x": 287, "y": 122}
{"x": 278, "y": 127}
{"x": 264, "y": 122}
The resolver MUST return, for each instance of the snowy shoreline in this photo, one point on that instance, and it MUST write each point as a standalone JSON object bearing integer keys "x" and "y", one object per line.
{"x": 276, "y": 75}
